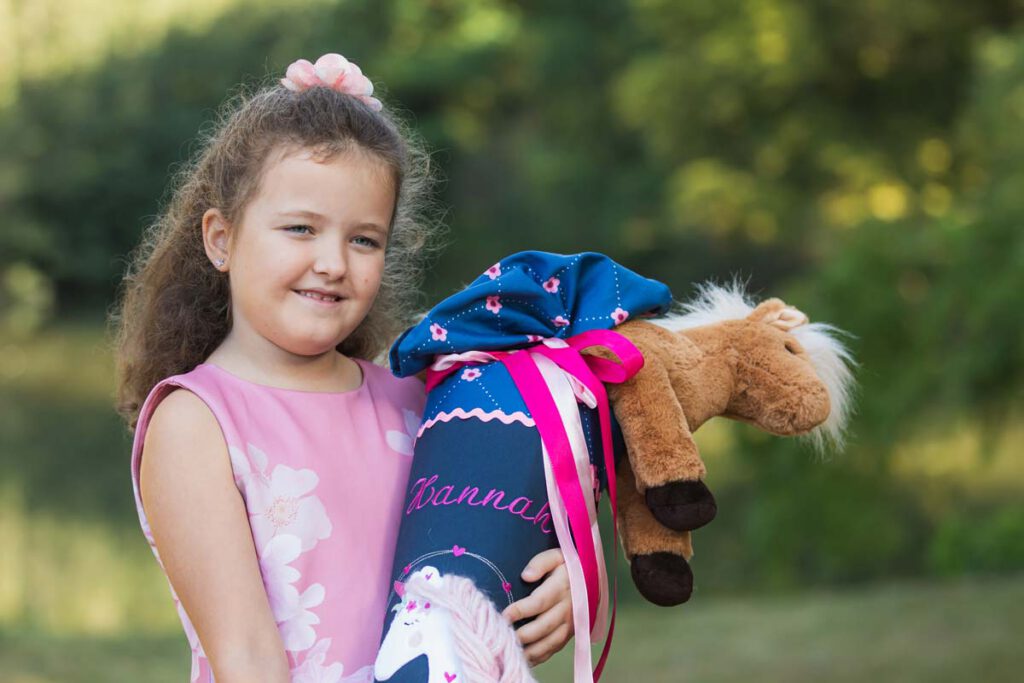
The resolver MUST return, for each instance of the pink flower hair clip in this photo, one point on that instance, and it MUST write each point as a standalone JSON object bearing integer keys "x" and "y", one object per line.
{"x": 332, "y": 71}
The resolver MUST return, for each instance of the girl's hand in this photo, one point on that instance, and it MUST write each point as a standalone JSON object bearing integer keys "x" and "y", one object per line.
{"x": 551, "y": 603}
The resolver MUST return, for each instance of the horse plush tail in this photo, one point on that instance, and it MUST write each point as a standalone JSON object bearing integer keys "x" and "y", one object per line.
{"x": 484, "y": 641}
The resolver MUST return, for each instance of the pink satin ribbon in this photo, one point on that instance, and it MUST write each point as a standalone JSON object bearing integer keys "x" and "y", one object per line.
{"x": 566, "y": 403}
{"x": 537, "y": 393}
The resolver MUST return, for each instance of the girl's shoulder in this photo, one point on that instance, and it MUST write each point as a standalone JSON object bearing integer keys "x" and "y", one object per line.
{"x": 178, "y": 406}
{"x": 180, "y": 434}
{"x": 200, "y": 396}
{"x": 184, "y": 404}
{"x": 180, "y": 431}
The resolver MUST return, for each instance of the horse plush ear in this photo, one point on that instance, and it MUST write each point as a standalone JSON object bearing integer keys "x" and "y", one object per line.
{"x": 777, "y": 313}
{"x": 662, "y": 453}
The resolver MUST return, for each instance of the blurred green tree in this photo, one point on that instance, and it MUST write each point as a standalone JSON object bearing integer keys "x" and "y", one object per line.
{"x": 861, "y": 160}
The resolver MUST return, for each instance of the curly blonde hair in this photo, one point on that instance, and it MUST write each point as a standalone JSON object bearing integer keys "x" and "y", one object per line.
{"x": 174, "y": 308}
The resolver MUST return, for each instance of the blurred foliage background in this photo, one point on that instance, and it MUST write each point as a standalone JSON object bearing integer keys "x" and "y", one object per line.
{"x": 861, "y": 160}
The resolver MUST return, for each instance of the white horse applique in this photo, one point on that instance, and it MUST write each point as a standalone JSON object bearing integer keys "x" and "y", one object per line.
{"x": 419, "y": 628}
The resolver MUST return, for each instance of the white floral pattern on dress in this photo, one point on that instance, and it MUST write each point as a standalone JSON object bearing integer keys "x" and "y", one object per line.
{"x": 402, "y": 442}
{"x": 291, "y": 609}
{"x": 297, "y": 630}
{"x": 278, "y": 574}
{"x": 312, "y": 669}
{"x": 286, "y": 521}
{"x": 279, "y": 503}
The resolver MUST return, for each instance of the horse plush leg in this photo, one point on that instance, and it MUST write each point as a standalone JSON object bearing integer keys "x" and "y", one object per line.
{"x": 657, "y": 555}
{"x": 662, "y": 451}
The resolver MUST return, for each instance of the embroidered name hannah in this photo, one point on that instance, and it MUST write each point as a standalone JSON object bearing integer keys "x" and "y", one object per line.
{"x": 425, "y": 493}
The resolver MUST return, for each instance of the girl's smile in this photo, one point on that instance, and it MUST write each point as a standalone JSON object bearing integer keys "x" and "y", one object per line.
{"x": 320, "y": 296}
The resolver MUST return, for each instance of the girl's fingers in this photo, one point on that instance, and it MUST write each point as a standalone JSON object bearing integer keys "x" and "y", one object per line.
{"x": 533, "y": 604}
{"x": 541, "y": 651}
{"x": 554, "y": 589}
{"x": 542, "y": 563}
{"x": 544, "y": 624}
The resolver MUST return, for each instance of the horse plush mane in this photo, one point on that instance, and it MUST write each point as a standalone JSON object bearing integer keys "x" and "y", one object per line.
{"x": 716, "y": 355}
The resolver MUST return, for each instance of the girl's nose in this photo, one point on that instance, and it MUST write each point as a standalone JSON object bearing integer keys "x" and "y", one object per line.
{"x": 331, "y": 261}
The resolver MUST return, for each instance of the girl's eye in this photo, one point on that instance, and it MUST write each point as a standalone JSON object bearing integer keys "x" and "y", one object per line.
{"x": 369, "y": 241}
{"x": 292, "y": 228}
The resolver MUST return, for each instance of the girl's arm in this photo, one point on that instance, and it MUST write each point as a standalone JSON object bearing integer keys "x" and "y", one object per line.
{"x": 550, "y": 602}
{"x": 201, "y": 530}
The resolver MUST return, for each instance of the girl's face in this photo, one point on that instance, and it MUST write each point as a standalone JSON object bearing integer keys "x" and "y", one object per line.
{"x": 306, "y": 257}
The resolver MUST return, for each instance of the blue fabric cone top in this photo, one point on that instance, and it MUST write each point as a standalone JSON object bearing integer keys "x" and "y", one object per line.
{"x": 517, "y": 302}
{"x": 528, "y": 296}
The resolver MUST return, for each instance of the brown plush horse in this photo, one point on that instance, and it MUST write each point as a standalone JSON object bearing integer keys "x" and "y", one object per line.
{"x": 720, "y": 355}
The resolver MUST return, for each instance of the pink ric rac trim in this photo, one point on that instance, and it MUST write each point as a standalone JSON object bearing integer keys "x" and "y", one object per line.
{"x": 478, "y": 413}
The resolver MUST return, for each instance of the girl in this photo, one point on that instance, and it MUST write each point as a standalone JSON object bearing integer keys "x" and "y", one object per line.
{"x": 270, "y": 455}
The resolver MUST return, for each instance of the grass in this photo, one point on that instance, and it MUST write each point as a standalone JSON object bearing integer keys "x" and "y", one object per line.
{"x": 907, "y": 632}
{"x": 36, "y": 658}
{"x": 934, "y": 632}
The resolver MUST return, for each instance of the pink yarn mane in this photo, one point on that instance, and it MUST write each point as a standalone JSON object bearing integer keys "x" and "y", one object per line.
{"x": 485, "y": 642}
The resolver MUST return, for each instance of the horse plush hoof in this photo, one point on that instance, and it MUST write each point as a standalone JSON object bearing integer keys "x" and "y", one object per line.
{"x": 682, "y": 505}
{"x": 662, "y": 578}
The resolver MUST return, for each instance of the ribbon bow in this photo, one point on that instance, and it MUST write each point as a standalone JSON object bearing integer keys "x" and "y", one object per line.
{"x": 535, "y": 373}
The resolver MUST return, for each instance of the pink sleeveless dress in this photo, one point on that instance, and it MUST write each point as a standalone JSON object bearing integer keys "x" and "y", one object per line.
{"x": 323, "y": 476}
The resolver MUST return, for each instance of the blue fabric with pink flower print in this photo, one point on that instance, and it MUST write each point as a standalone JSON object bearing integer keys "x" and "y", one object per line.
{"x": 526, "y": 297}
{"x": 519, "y": 301}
